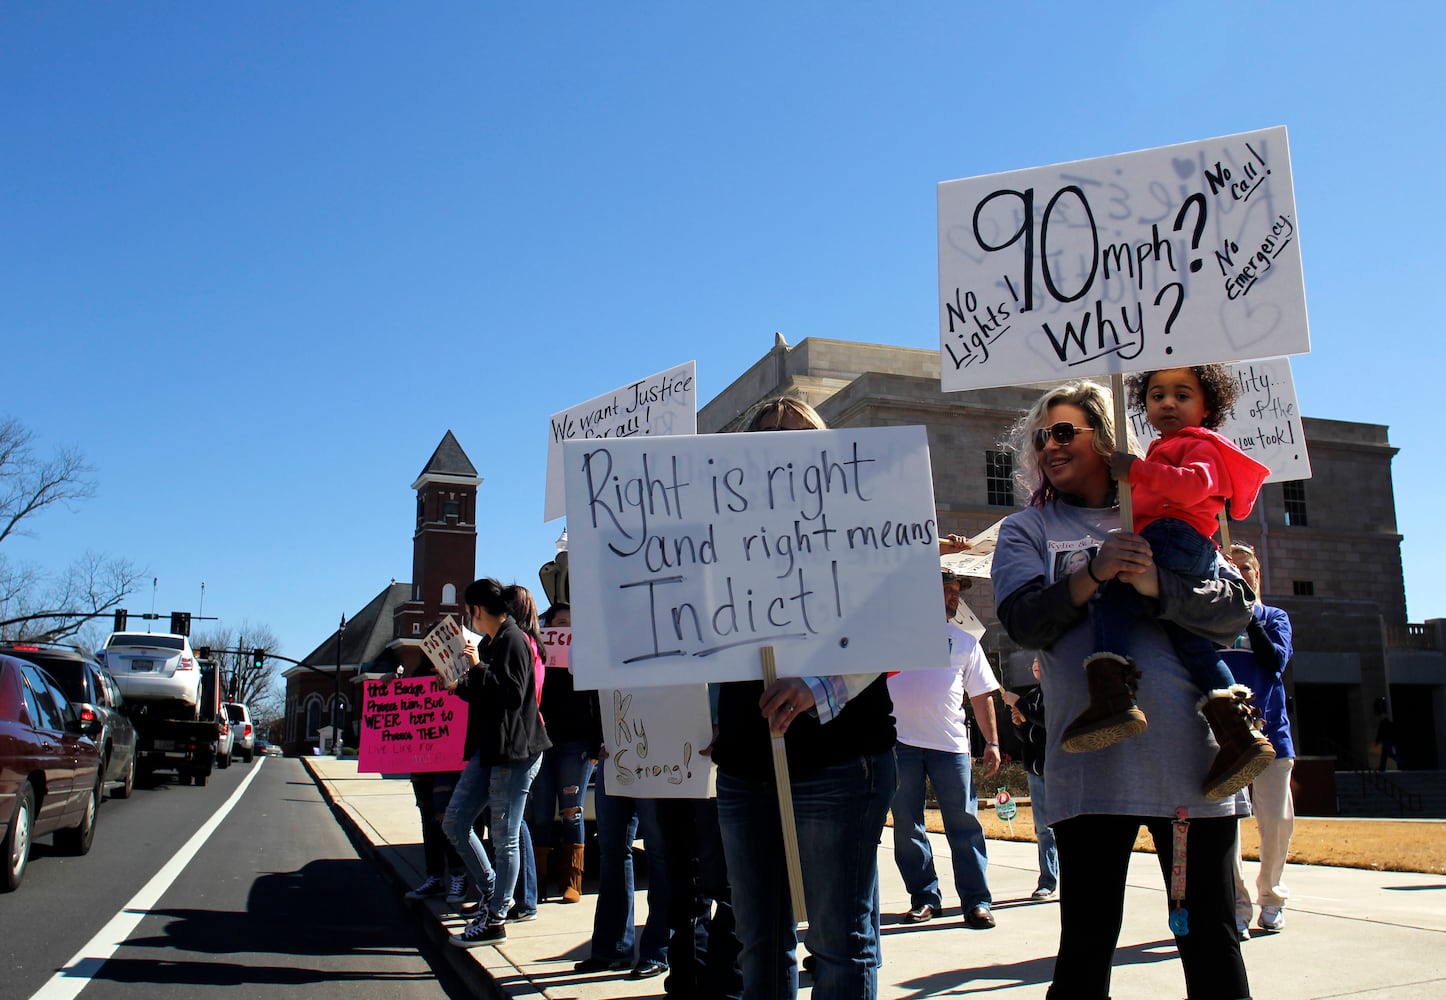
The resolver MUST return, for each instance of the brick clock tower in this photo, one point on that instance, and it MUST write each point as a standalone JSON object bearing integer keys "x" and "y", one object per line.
{"x": 444, "y": 546}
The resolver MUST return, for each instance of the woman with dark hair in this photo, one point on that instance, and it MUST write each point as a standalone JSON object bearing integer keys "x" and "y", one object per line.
{"x": 839, "y": 736}
{"x": 503, "y": 747}
{"x": 1098, "y": 801}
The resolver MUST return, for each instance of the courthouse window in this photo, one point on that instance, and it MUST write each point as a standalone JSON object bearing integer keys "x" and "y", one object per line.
{"x": 999, "y": 478}
{"x": 1294, "y": 493}
{"x": 1304, "y": 588}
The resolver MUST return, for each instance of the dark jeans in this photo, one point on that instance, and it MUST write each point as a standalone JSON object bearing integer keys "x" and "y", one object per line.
{"x": 1094, "y": 859}
{"x": 1179, "y": 549}
{"x": 619, "y": 821}
{"x": 703, "y": 949}
{"x": 432, "y": 791}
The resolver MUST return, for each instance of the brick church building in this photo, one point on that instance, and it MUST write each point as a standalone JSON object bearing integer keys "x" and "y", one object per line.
{"x": 388, "y": 631}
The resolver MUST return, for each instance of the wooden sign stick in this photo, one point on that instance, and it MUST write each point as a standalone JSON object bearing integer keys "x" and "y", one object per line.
{"x": 1122, "y": 444}
{"x": 785, "y": 802}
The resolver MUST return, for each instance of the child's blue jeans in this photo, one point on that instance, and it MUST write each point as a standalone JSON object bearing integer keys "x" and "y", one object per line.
{"x": 1179, "y": 549}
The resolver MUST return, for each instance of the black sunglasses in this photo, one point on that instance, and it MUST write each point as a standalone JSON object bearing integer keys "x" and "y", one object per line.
{"x": 1062, "y": 432}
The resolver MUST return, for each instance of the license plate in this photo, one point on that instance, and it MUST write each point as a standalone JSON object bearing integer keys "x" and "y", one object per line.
{"x": 142, "y": 666}
{"x": 165, "y": 744}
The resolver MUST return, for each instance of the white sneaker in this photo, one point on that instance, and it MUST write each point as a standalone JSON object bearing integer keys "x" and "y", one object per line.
{"x": 457, "y": 890}
{"x": 1242, "y": 930}
{"x": 1272, "y": 918}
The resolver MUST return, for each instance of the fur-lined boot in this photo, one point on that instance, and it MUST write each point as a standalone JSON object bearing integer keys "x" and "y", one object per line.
{"x": 1112, "y": 714}
{"x": 1244, "y": 750}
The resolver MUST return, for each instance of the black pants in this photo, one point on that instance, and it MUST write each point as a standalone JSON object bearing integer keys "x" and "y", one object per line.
{"x": 432, "y": 791}
{"x": 1094, "y": 858}
{"x": 702, "y": 949}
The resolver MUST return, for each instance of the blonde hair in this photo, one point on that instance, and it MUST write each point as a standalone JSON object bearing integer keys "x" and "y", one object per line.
{"x": 778, "y": 406}
{"x": 1247, "y": 552}
{"x": 1098, "y": 405}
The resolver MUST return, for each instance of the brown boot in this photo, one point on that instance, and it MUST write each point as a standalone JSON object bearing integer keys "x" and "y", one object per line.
{"x": 1112, "y": 715}
{"x": 544, "y": 873}
{"x": 572, "y": 892}
{"x": 1244, "y": 750}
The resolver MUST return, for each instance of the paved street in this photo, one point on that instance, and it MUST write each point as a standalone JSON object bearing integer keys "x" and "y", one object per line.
{"x": 275, "y": 897}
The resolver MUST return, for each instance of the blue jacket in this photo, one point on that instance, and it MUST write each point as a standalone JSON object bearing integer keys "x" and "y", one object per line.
{"x": 1261, "y": 665}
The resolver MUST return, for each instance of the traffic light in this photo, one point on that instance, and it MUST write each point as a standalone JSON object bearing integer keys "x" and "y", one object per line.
{"x": 120, "y": 619}
{"x": 203, "y": 652}
{"x": 180, "y": 623}
{"x": 258, "y": 658}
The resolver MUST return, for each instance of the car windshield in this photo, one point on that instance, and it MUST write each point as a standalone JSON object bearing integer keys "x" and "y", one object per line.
{"x": 175, "y": 642}
{"x": 236, "y": 712}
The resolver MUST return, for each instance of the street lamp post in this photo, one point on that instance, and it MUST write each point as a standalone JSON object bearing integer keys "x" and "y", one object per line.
{"x": 336, "y": 695}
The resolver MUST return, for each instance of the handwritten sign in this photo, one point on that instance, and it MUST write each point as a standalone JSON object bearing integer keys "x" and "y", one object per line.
{"x": 1163, "y": 258}
{"x": 665, "y": 403}
{"x": 690, "y": 553}
{"x": 443, "y": 646}
{"x": 653, "y": 736}
{"x": 1265, "y": 422}
{"x": 411, "y": 725}
{"x": 558, "y": 643}
{"x": 978, "y": 560}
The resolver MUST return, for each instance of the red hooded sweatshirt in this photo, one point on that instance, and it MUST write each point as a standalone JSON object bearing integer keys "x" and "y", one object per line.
{"x": 1189, "y": 475}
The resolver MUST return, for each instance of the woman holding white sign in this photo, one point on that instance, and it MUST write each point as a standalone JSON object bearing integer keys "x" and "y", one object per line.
{"x": 503, "y": 749}
{"x": 839, "y": 736}
{"x": 1098, "y": 801}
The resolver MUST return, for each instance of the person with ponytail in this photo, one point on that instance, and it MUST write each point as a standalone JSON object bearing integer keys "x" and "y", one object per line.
{"x": 503, "y": 747}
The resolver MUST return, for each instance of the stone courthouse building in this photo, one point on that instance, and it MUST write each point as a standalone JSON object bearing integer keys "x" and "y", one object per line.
{"x": 1329, "y": 548}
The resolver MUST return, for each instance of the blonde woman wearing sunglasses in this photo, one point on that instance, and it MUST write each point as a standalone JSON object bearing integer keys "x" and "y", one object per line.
{"x": 1098, "y": 801}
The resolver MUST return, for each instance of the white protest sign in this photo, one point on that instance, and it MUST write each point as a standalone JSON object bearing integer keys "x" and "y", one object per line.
{"x": 688, "y": 554}
{"x": 557, "y": 640}
{"x": 443, "y": 646}
{"x": 978, "y": 560}
{"x": 653, "y": 737}
{"x": 665, "y": 403}
{"x": 1163, "y": 258}
{"x": 1265, "y": 423}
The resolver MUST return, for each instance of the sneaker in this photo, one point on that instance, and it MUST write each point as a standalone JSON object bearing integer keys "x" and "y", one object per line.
{"x": 1271, "y": 918}
{"x": 921, "y": 914}
{"x": 431, "y": 887}
{"x": 479, "y": 931}
{"x": 1242, "y": 929}
{"x": 1041, "y": 894}
{"x": 517, "y": 915}
{"x": 457, "y": 889}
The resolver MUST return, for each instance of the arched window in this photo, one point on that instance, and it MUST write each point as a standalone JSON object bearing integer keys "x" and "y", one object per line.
{"x": 313, "y": 716}
{"x": 449, "y": 593}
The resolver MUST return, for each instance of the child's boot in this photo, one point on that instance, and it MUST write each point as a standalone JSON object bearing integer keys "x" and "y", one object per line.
{"x": 1112, "y": 714}
{"x": 1244, "y": 750}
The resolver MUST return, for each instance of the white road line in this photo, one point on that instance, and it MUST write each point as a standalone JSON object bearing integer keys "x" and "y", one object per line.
{"x": 77, "y": 973}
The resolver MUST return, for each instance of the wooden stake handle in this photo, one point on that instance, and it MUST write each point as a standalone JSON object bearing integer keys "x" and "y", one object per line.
{"x": 1122, "y": 444}
{"x": 785, "y": 802}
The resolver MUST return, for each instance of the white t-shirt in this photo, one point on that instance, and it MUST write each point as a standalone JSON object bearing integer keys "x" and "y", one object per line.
{"x": 929, "y": 704}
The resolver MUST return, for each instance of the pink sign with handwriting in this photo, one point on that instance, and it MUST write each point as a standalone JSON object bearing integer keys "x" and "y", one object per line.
{"x": 411, "y": 724}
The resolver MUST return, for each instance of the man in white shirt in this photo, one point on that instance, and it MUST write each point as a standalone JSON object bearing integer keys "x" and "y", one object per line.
{"x": 933, "y": 741}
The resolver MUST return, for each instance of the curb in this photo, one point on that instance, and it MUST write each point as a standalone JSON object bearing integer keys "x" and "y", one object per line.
{"x": 474, "y": 975}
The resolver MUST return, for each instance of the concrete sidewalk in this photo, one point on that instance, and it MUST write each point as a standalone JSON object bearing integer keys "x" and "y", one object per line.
{"x": 1350, "y": 933}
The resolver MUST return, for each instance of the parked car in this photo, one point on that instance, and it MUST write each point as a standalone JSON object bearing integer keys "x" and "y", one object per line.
{"x": 94, "y": 694}
{"x": 245, "y": 733}
{"x": 265, "y": 748}
{"x": 50, "y": 780}
{"x": 225, "y": 742}
{"x": 155, "y": 667}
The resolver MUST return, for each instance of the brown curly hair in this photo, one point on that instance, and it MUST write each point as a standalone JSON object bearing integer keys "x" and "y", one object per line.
{"x": 1217, "y": 382}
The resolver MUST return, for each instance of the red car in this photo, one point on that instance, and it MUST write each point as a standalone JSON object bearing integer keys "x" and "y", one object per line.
{"x": 50, "y": 777}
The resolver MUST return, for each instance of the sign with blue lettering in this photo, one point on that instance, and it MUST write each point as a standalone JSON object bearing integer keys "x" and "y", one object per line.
{"x": 1163, "y": 258}
{"x": 688, "y": 554}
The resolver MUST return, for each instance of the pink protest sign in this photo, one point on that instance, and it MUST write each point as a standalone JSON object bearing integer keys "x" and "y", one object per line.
{"x": 558, "y": 642}
{"x": 412, "y": 724}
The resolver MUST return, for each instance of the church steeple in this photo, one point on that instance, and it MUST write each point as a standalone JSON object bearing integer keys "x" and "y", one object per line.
{"x": 444, "y": 544}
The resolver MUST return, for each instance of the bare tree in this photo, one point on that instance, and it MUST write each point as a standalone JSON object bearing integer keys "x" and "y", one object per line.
{"x": 253, "y": 686}
{"x": 34, "y": 605}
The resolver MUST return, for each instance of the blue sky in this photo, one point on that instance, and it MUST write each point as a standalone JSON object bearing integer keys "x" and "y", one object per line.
{"x": 255, "y": 260}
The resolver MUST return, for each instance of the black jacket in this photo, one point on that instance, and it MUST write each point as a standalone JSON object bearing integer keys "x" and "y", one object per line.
{"x": 503, "y": 721}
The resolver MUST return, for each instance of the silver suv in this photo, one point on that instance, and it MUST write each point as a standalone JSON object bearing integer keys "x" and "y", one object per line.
{"x": 241, "y": 729}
